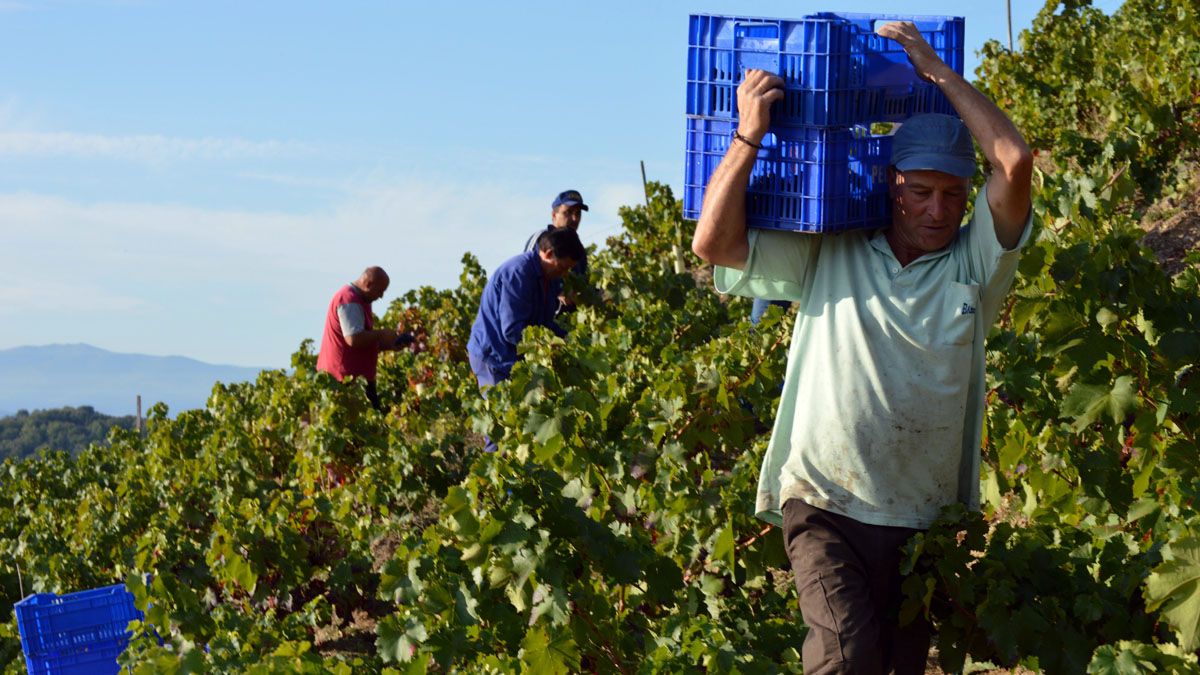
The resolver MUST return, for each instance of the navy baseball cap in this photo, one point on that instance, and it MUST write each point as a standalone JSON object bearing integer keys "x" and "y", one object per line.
{"x": 934, "y": 142}
{"x": 570, "y": 198}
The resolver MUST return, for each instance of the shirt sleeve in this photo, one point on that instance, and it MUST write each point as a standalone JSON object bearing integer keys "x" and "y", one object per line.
{"x": 987, "y": 262}
{"x": 351, "y": 317}
{"x": 531, "y": 244}
{"x": 516, "y": 307}
{"x": 778, "y": 266}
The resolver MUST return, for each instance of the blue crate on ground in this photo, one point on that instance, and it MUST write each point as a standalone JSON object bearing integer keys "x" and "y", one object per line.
{"x": 96, "y": 658}
{"x": 806, "y": 179}
{"x": 836, "y": 70}
{"x": 76, "y": 628}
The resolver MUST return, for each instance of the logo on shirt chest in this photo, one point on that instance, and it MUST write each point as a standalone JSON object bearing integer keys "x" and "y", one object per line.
{"x": 967, "y": 308}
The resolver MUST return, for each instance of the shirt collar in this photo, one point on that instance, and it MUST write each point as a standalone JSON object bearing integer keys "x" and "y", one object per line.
{"x": 536, "y": 261}
{"x": 880, "y": 243}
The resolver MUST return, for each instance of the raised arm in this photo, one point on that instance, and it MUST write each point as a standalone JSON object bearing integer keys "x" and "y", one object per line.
{"x": 721, "y": 231}
{"x": 353, "y": 323}
{"x": 1008, "y": 186}
{"x": 380, "y": 337}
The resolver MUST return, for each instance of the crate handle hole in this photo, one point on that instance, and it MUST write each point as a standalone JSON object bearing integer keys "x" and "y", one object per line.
{"x": 756, "y": 29}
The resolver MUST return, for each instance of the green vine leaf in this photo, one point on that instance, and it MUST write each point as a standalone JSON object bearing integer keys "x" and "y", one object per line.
{"x": 397, "y": 641}
{"x": 1085, "y": 403}
{"x": 1174, "y": 587}
{"x": 554, "y": 654}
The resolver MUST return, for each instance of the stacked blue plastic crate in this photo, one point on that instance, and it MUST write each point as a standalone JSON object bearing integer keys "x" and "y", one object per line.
{"x": 80, "y": 632}
{"x": 820, "y": 169}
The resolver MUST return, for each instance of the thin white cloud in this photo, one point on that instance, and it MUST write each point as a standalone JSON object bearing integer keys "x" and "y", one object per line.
{"x": 603, "y": 201}
{"x": 23, "y": 296}
{"x": 553, "y": 163}
{"x": 16, "y": 114}
{"x": 431, "y": 200}
{"x": 320, "y": 183}
{"x": 143, "y": 148}
{"x": 419, "y": 227}
{"x": 204, "y": 279}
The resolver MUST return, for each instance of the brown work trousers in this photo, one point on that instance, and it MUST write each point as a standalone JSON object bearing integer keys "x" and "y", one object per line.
{"x": 848, "y": 578}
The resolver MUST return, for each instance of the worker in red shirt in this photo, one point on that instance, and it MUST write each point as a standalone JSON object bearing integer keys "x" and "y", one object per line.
{"x": 350, "y": 344}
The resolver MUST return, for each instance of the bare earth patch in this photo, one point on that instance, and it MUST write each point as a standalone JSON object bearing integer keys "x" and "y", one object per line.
{"x": 348, "y": 639}
{"x": 1173, "y": 230}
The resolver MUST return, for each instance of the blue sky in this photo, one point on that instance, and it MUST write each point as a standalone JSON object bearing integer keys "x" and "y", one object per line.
{"x": 198, "y": 178}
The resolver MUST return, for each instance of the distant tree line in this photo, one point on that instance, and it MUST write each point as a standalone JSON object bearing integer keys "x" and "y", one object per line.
{"x": 70, "y": 429}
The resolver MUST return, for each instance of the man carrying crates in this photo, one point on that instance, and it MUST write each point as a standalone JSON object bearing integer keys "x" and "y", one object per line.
{"x": 879, "y": 424}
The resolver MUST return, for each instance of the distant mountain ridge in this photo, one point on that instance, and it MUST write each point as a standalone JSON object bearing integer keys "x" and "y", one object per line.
{"x": 63, "y": 375}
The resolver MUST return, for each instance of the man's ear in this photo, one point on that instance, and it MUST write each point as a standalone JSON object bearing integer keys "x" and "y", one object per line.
{"x": 893, "y": 178}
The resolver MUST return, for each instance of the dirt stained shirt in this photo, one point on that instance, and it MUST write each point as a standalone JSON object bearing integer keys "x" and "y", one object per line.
{"x": 881, "y": 415}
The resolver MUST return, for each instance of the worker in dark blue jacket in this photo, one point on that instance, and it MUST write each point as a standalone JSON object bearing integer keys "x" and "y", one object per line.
{"x": 522, "y": 292}
{"x": 565, "y": 212}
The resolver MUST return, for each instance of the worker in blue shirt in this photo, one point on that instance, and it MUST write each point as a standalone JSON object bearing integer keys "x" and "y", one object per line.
{"x": 522, "y": 292}
{"x": 565, "y": 212}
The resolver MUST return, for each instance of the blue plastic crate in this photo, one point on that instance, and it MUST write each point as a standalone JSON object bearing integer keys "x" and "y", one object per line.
{"x": 806, "y": 179}
{"x": 80, "y": 627}
{"x": 836, "y": 70}
{"x": 97, "y": 658}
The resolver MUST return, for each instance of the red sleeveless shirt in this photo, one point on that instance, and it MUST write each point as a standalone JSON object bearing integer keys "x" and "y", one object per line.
{"x": 338, "y": 358}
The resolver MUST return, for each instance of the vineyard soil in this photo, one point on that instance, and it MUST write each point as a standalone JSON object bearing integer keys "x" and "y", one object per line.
{"x": 1173, "y": 228}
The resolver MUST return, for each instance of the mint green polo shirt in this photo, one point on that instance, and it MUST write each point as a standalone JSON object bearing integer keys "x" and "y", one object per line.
{"x": 881, "y": 415}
